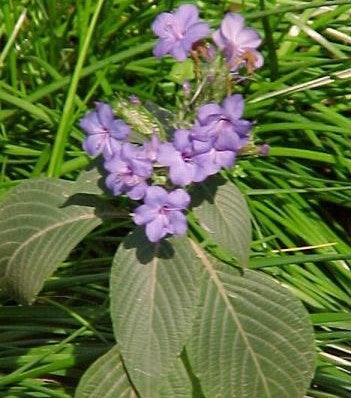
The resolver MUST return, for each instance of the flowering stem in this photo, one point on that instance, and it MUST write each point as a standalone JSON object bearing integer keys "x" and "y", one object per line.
{"x": 196, "y": 61}
{"x": 64, "y": 126}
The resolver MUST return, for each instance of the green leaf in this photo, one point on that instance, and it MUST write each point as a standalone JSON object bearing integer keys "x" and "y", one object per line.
{"x": 153, "y": 298}
{"x": 222, "y": 211}
{"x": 106, "y": 378}
{"x": 41, "y": 221}
{"x": 182, "y": 71}
{"x": 91, "y": 181}
{"x": 177, "y": 383}
{"x": 251, "y": 337}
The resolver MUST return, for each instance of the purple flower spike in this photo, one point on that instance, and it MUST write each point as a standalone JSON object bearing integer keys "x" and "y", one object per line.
{"x": 178, "y": 31}
{"x": 238, "y": 43}
{"x": 129, "y": 169}
{"x": 185, "y": 166}
{"x": 161, "y": 213}
{"x": 103, "y": 131}
{"x": 221, "y": 127}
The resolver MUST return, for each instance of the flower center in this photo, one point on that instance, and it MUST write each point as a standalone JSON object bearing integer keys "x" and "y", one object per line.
{"x": 175, "y": 31}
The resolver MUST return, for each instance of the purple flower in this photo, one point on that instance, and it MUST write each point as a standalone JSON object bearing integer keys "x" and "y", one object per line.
{"x": 238, "y": 43}
{"x": 129, "y": 169}
{"x": 221, "y": 127}
{"x": 215, "y": 160}
{"x": 161, "y": 213}
{"x": 151, "y": 148}
{"x": 185, "y": 166}
{"x": 103, "y": 131}
{"x": 178, "y": 31}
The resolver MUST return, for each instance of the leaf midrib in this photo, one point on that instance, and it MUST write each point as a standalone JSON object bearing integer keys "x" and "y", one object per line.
{"x": 214, "y": 277}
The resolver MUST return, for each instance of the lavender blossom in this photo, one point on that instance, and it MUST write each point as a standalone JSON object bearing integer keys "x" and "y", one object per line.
{"x": 185, "y": 166}
{"x": 161, "y": 213}
{"x": 129, "y": 169}
{"x": 221, "y": 127}
{"x": 103, "y": 131}
{"x": 178, "y": 31}
{"x": 151, "y": 148}
{"x": 238, "y": 43}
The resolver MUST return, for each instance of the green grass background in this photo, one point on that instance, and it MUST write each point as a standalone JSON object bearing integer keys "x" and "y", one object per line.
{"x": 57, "y": 57}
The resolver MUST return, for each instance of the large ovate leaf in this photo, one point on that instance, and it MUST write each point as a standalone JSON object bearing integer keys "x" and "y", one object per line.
{"x": 41, "y": 221}
{"x": 222, "y": 211}
{"x": 251, "y": 337}
{"x": 153, "y": 298}
{"x": 177, "y": 383}
{"x": 106, "y": 378}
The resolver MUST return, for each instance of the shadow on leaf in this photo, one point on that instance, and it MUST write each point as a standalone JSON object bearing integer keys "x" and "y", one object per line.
{"x": 147, "y": 251}
{"x": 206, "y": 191}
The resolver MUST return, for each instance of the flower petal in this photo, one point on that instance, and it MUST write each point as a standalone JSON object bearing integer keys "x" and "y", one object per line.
{"x": 116, "y": 165}
{"x": 181, "y": 173}
{"x": 138, "y": 191}
{"x": 219, "y": 39}
{"x": 105, "y": 114}
{"x": 115, "y": 184}
{"x": 144, "y": 214}
{"x": 178, "y": 224}
{"x": 112, "y": 148}
{"x": 119, "y": 129}
{"x": 242, "y": 128}
{"x": 197, "y": 32}
{"x": 181, "y": 139}
{"x": 178, "y": 199}
{"x": 207, "y": 161}
{"x": 163, "y": 47}
{"x": 231, "y": 26}
{"x": 202, "y": 146}
{"x": 94, "y": 144}
{"x": 225, "y": 158}
{"x": 205, "y": 112}
{"x": 234, "y": 106}
{"x": 155, "y": 196}
{"x": 227, "y": 141}
{"x": 259, "y": 60}
{"x": 167, "y": 154}
{"x": 248, "y": 38}
{"x": 161, "y": 24}
{"x": 157, "y": 229}
{"x": 90, "y": 123}
{"x": 179, "y": 52}
{"x": 186, "y": 15}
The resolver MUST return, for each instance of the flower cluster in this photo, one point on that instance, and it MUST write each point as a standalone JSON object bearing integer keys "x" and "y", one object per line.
{"x": 213, "y": 141}
{"x": 180, "y": 31}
